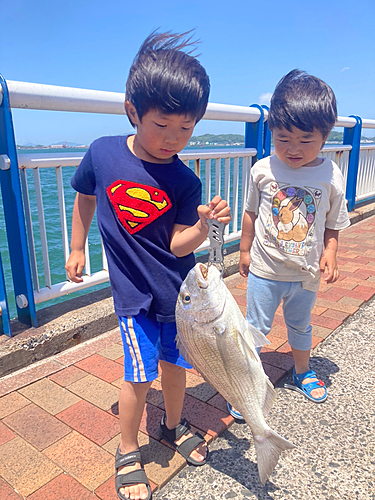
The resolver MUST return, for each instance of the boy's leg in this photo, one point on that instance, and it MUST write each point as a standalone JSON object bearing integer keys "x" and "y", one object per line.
{"x": 297, "y": 307}
{"x": 131, "y": 405}
{"x": 173, "y": 381}
{"x": 263, "y": 298}
{"x": 140, "y": 342}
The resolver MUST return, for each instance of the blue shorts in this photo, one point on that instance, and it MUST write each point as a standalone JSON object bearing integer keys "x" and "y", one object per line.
{"x": 264, "y": 297}
{"x": 145, "y": 343}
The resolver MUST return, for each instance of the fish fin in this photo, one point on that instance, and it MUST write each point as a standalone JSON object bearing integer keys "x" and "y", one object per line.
{"x": 270, "y": 397}
{"x": 258, "y": 338}
{"x": 268, "y": 449}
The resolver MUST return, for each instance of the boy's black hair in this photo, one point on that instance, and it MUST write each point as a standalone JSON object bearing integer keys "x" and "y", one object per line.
{"x": 303, "y": 101}
{"x": 166, "y": 78}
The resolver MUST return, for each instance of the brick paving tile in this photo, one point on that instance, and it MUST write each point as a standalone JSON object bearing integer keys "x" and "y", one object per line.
{"x": 67, "y": 376}
{"x": 120, "y": 360}
{"x": 338, "y": 306}
{"x": 238, "y": 292}
{"x": 63, "y": 487}
{"x": 346, "y": 283}
{"x": 333, "y": 295}
{"x": 150, "y": 421}
{"x": 112, "y": 352}
{"x": 320, "y": 331}
{"x": 340, "y": 315}
{"x": 197, "y": 387}
{"x": 315, "y": 341}
{"x": 240, "y": 299}
{"x": 8, "y": 493}
{"x": 36, "y": 426}
{"x": 318, "y": 310}
{"x": 11, "y": 403}
{"x": 155, "y": 395}
{"x": 279, "y": 331}
{"x": 212, "y": 423}
{"x": 28, "y": 375}
{"x": 359, "y": 273}
{"x": 277, "y": 359}
{"x": 101, "y": 367}
{"x": 25, "y": 468}
{"x": 360, "y": 292}
{"x": 273, "y": 373}
{"x": 49, "y": 396}
{"x": 160, "y": 461}
{"x": 91, "y": 422}
{"x": 82, "y": 459}
{"x": 285, "y": 348}
{"x": 5, "y": 434}
{"x": 276, "y": 342}
{"x": 325, "y": 321}
{"x": 219, "y": 402}
{"x": 96, "y": 391}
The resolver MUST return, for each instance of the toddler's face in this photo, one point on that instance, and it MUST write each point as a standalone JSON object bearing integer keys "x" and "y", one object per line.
{"x": 160, "y": 136}
{"x": 298, "y": 148}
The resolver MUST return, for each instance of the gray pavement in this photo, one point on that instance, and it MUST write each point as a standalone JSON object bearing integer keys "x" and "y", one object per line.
{"x": 335, "y": 458}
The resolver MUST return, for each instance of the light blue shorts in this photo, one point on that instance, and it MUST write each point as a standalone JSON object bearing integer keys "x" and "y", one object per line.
{"x": 145, "y": 343}
{"x": 264, "y": 297}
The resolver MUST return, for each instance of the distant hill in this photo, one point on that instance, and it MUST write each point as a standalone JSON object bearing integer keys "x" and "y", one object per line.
{"x": 221, "y": 139}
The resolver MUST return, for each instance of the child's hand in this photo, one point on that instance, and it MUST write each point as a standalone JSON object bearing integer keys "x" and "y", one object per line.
{"x": 75, "y": 265}
{"x": 244, "y": 264}
{"x": 217, "y": 209}
{"x": 328, "y": 266}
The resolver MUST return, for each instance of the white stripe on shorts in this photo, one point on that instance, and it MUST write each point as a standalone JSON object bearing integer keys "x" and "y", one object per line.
{"x": 131, "y": 340}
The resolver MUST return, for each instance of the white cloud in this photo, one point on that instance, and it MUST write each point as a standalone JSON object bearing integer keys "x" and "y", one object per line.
{"x": 344, "y": 69}
{"x": 265, "y": 98}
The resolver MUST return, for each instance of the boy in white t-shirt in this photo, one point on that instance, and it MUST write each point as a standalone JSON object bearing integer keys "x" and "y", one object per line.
{"x": 294, "y": 212}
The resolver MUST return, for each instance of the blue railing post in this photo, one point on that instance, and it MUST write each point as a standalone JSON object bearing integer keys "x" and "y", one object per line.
{"x": 14, "y": 216}
{"x": 266, "y": 135}
{"x": 352, "y": 136}
{"x": 254, "y": 134}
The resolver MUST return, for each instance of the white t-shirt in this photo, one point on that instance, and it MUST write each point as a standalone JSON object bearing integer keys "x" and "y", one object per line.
{"x": 294, "y": 207}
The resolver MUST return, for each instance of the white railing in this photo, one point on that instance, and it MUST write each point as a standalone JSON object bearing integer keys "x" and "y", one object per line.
{"x": 366, "y": 173}
{"x": 220, "y": 172}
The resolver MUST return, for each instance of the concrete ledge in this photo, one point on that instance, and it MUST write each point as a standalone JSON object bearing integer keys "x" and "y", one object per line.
{"x": 71, "y": 322}
{"x": 62, "y": 326}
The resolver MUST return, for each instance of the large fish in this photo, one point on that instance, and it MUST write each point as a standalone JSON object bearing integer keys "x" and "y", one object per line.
{"x": 216, "y": 339}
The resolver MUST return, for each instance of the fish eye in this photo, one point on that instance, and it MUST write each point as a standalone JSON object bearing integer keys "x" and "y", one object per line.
{"x": 185, "y": 297}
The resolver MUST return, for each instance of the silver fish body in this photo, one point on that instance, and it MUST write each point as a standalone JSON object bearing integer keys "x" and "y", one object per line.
{"x": 215, "y": 338}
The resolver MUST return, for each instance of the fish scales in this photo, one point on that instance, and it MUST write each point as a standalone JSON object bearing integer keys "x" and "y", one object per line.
{"x": 216, "y": 339}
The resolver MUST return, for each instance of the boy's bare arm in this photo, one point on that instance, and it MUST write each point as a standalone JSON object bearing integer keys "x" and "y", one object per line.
{"x": 328, "y": 262}
{"x": 83, "y": 213}
{"x": 185, "y": 239}
{"x": 247, "y": 238}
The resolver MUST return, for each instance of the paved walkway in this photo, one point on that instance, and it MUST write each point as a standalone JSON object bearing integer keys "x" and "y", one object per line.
{"x": 59, "y": 426}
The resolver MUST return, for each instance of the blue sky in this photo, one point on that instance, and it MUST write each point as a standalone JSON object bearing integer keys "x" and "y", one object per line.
{"x": 246, "y": 47}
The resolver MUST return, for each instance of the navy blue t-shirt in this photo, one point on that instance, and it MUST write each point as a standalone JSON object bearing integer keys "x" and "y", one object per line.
{"x": 138, "y": 203}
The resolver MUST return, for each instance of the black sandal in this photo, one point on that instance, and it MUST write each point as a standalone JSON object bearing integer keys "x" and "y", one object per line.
{"x": 185, "y": 448}
{"x": 130, "y": 478}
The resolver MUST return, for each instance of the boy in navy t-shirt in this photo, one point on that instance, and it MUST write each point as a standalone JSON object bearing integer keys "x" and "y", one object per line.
{"x": 151, "y": 220}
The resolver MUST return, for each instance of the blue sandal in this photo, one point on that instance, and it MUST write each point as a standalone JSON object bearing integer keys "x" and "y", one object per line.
{"x": 235, "y": 414}
{"x": 306, "y": 389}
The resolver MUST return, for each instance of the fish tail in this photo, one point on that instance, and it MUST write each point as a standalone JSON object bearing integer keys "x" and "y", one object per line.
{"x": 268, "y": 449}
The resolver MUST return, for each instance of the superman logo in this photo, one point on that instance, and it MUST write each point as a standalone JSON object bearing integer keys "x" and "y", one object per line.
{"x": 137, "y": 205}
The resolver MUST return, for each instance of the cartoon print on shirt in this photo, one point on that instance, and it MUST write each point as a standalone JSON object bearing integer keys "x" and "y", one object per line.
{"x": 137, "y": 205}
{"x": 290, "y": 226}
